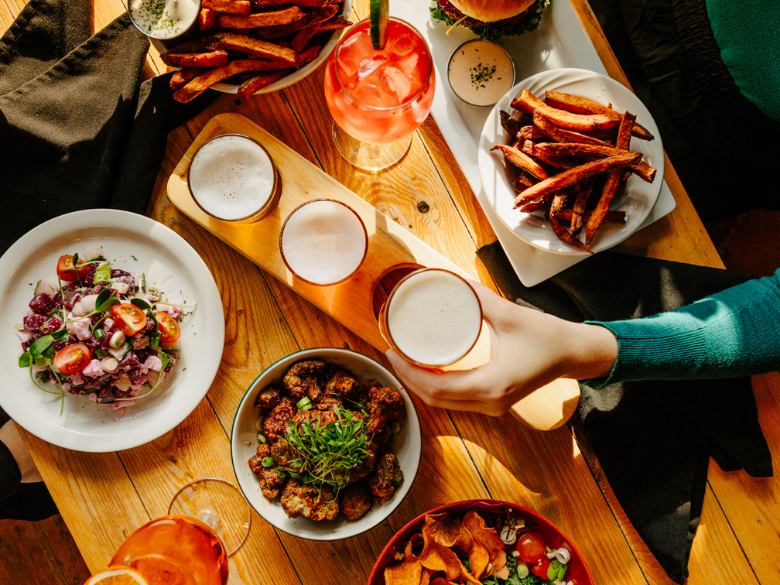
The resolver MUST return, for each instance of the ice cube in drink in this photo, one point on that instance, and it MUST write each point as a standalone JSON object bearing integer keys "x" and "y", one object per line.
{"x": 233, "y": 178}
{"x": 323, "y": 242}
{"x": 432, "y": 317}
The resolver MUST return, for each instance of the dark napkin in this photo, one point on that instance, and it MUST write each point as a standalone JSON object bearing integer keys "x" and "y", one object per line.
{"x": 653, "y": 439}
{"x": 77, "y": 131}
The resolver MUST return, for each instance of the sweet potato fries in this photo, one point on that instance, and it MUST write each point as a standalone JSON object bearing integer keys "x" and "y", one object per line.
{"x": 572, "y": 155}
{"x": 251, "y": 43}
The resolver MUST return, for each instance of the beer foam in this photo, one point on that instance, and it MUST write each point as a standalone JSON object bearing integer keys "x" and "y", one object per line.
{"x": 323, "y": 242}
{"x": 434, "y": 317}
{"x": 231, "y": 177}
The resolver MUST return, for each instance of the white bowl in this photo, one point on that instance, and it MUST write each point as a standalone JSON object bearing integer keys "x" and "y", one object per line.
{"x": 406, "y": 446}
{"x": 636, "y": 200}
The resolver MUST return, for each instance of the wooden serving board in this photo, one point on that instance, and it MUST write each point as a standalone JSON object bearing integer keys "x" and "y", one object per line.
{"x": 390, "y": 247}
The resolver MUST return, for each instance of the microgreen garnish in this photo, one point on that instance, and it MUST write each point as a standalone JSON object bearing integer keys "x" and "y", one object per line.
{"x": 328, "y": 452}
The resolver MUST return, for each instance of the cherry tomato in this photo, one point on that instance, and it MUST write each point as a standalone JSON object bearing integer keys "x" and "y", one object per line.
{"x": 129, "y": 318}
{"x": 540, "y": 569}
{"x": 72, "y": 358}
{"x": 531, "y": 547}
{"x": 169, "y": 328}
{"x": 67, "y": 272}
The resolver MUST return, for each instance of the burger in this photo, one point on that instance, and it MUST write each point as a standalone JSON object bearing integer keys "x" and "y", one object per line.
{"x": 491, "y": 19}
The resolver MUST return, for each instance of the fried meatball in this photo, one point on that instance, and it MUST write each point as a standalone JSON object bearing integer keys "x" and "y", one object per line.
{"x": 269, "y": 480}
{"x": 302, "y": 379}
{"x": 263, "y": 450}
{"x": 269, "y": 397}
{"x": 341, "y": 382}
{"x": 326, "y": 402}
{"x": 387, "y": 475}
{"x": 283, "y": 453}
{"x": 276, "y": 422}
{"x": 385, "y": 405}
{"x": 361, "y": 471}
{"x": 304, "y": 500}
{"x": 355, "y": 500}
{"x": 321, "y": 417}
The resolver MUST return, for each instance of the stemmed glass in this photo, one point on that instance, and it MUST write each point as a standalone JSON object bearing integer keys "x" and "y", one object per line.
{"x": 208, "y": 520}
{"x": 378, "y": 97}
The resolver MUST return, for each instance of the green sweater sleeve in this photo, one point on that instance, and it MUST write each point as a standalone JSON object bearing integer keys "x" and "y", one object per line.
{"x": 732, "y": 333}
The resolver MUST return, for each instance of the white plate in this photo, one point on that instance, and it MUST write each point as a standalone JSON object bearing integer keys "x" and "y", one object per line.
{"x": 406, "y": 446}
{"x": 134, "y": 243}
{"x": 638, "y": 197}
{"x": 298, "y": 74}
{"x": 560, "y": 41}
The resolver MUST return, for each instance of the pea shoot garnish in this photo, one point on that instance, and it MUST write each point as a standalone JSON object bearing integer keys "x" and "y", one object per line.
{"x": 328, "y": 452}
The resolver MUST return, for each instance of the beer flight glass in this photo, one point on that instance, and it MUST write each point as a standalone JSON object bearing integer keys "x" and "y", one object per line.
{"x": 233, "y": 178}
{"x": 432, "y": 317}
{"x": 323, "y": 242}
{"x": 378, "y": 97}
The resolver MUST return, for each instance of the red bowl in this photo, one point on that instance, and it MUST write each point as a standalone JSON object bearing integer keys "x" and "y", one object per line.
{"x": 578, "y": 573}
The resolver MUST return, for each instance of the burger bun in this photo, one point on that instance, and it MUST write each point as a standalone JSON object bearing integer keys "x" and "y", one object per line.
{"x": 492, "y": 10}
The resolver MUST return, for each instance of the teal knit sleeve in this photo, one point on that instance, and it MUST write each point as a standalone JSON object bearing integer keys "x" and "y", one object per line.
{"x": 732, "y": 333}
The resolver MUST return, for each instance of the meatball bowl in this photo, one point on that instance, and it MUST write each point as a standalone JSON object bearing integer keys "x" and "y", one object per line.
{"x": 325, "y": 444}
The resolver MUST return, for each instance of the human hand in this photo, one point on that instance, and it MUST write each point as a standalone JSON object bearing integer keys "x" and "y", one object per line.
{"x": 529, "y": 349}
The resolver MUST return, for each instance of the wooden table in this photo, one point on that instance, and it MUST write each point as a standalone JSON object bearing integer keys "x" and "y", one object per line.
{"x": 104, "y": 497}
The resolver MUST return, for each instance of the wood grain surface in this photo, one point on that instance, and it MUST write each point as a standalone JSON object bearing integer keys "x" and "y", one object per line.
{"x": 104, "y": 497}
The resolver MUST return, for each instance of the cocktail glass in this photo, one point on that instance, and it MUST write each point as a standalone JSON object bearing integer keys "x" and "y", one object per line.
{"x": 378, "y": 97}
{"x": 208, "y": 520}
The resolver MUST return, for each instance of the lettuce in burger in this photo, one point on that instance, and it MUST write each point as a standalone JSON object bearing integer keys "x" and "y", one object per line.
{"x": 491, "y": 19}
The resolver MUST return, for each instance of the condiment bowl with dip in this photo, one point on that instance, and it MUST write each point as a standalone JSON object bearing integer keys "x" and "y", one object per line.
{"x": 432, "y": 317}
{"x": 323, "y": 242}
{"x": 480, "y": 72}
{"x": 163, "y": 19}
{"x": 233, "y": 178}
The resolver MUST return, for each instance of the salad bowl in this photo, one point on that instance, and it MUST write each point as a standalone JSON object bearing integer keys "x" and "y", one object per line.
{"x": 493, "y": 512}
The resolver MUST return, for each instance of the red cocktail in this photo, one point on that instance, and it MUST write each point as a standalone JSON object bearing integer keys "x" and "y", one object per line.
{"x": 380, "y": 96}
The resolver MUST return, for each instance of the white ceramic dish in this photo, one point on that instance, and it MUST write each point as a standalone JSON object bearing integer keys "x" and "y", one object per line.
{"x": 138, "y": 244}
{"x": 406, "y": 446}
{"x": 304, "y": 71}
{"x": 638, "y": 197}
{"x": 560, "y": 41}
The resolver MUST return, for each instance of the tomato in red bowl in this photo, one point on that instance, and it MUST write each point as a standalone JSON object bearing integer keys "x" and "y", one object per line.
{"x": 532, "y": 545}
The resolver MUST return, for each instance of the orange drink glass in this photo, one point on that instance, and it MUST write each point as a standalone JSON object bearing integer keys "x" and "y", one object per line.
{"x": 175, "y": 550}
{"x": 378, "y": 97}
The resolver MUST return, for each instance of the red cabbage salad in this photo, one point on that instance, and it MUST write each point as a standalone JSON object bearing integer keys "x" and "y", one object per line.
{"x": 99, "y": 332}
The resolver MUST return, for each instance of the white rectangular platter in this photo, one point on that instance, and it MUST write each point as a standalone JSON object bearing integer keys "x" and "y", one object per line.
{"x": 560, "y": 41}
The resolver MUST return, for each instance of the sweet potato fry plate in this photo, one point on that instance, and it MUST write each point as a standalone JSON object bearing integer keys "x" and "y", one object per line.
{"x": 568, "y": 146}
{"x": 261, "y": 36}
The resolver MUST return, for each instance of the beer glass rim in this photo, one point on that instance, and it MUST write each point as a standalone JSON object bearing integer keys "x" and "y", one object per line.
{"x": 408, "y": 102}
{"x": 384, "y": 312}
{"x": 365, "y": 240}
{"x": 257, "y": 214}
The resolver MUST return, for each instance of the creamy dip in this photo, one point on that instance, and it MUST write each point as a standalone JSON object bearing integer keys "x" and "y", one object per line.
{"x": 481, "y": 72}
{"x": 164, "y": 19}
